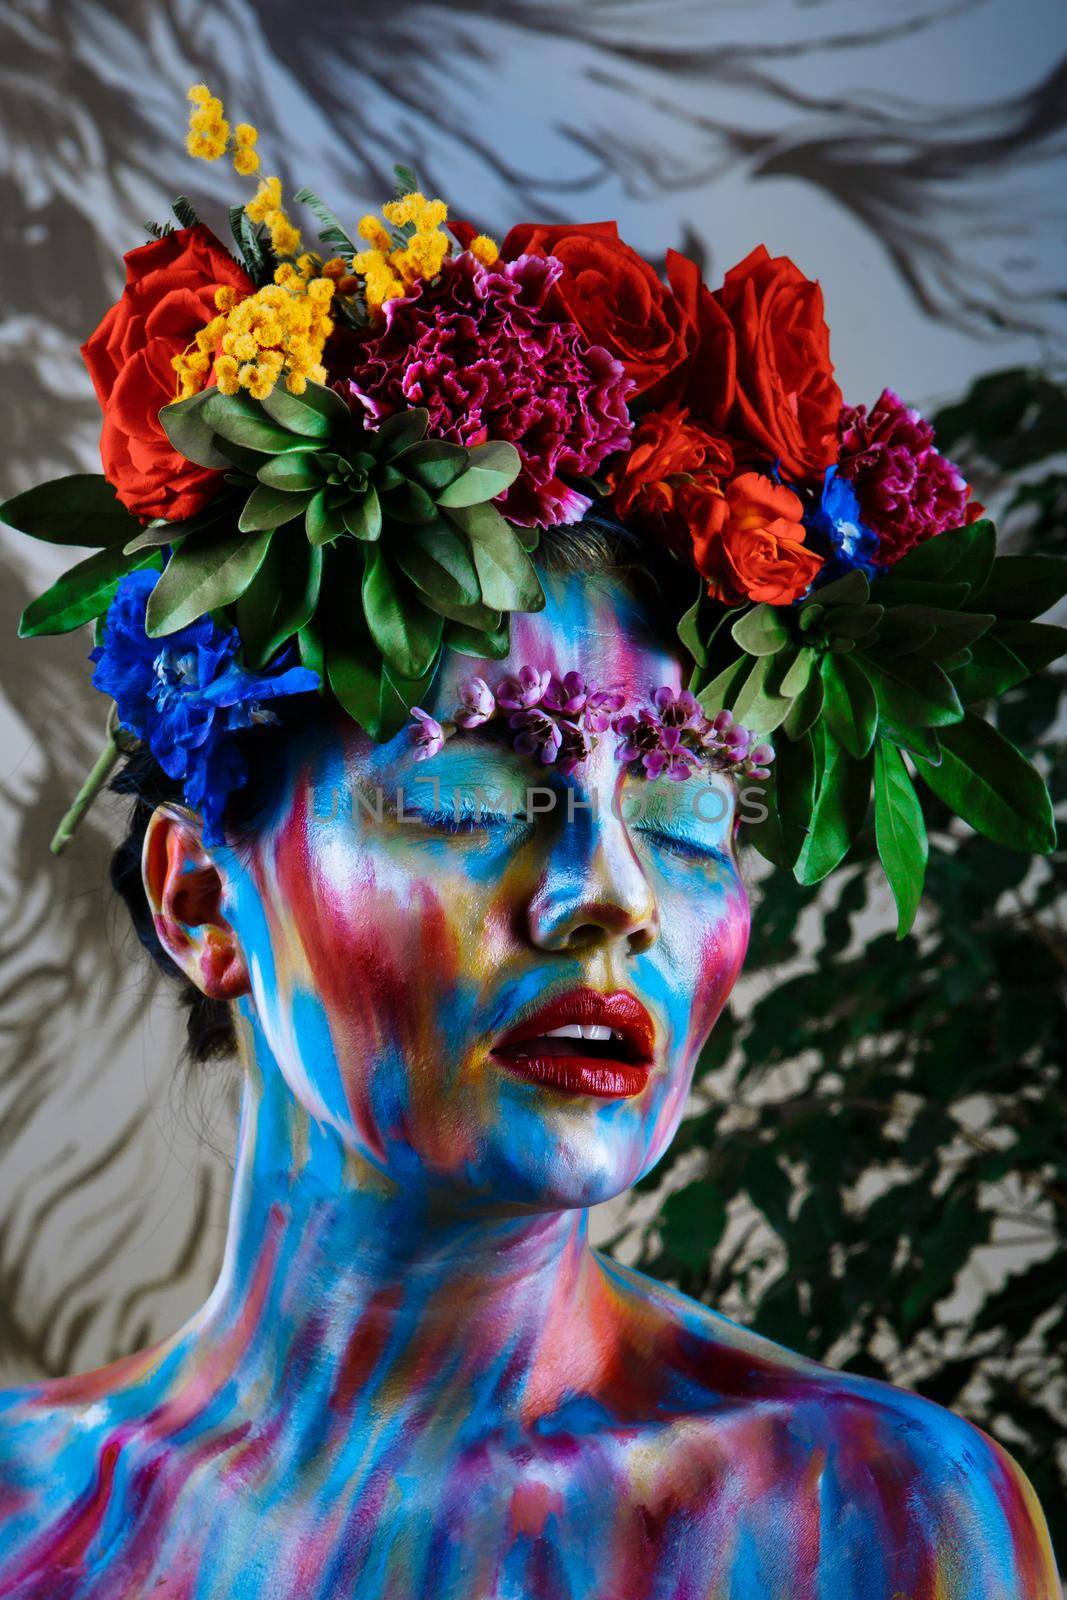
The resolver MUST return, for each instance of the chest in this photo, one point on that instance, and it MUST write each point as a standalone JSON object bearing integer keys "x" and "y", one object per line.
{"x": 578, "y": 1511}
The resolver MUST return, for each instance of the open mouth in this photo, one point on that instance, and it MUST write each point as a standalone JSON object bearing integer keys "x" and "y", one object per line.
{"x": 583, "y": 1043}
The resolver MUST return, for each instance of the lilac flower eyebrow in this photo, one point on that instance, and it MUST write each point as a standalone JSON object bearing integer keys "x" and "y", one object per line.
{"x": 559, "y": 720}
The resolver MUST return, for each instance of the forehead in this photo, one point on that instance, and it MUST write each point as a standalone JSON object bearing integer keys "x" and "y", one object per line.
{"x": 596, "y": 624}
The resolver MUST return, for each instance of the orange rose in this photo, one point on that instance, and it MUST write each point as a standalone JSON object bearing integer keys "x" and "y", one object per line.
{"x": 750, "y": 545}
{"x": 667, "y": 453}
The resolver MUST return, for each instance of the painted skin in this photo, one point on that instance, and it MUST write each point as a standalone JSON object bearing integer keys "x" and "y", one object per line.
{"x": 414, "y": 1376}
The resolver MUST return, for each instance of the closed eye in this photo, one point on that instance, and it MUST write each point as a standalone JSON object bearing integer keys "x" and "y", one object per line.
{"x": 682, "y": 845}
{"x": 468, "y": 820}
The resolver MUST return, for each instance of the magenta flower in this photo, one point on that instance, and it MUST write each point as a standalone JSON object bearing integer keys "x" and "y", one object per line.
{"x": 907, "y": 490}
{"x": 650, "y": 747}
{"x": 678, "y": 708}
{"x": 579, "y": 699}
{"x": 477, "y": 706}
{"x": 539, "y": 735}
{"x": 480, "y": 351}
{"x": 427, "y": 734}
{"x": 523, "y": 690}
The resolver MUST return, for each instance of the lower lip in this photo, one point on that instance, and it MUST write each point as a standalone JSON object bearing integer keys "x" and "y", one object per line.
{"x": 592, "y": 1075}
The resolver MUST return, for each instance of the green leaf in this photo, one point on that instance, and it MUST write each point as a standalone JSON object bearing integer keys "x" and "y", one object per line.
{"x": 354, "y": 673}
{"x": 405, "y": 180}
{"x": 242, "y": 421}
{"x": 1036, "y": 644}
{"x": 312, "y": 654}
{"x": 323, "y": 521}
{"x": 1022, "y": 587}
{"x": 222, "y": 511}
{"x": 401, "y": 430}
{"x": 202, "y": 576}
{"x": 271, "y": 508}
{"x": 82, "y": 592}
{"x": 912, "y": 691}
{"x": 849, "y": 704}
{"x": 900, "y": 832}
{"x": 406, "y": 633}
{"x": 761, "y": 631}
{"x": 985, "y": 780}
{"x": 507, "y": 576}
{"x": 852, "y": 622}
{"x": 432, "y": 463}
{"x": 894, "y": 591}
{"x": 806, "y": 708}
{"x": 281, "y": 598}
{"x": 690, "y": 632}
{"x": 922, "y": 743}
{"x": 331, "y": 233}
{"x": 851, "y": 590}
{"x": 718, "y": 695}
{"x": 838, "y": 813}
{"x": 952, "y": 630}
{"x": 81, "y": 510}
{"x": 291, "y": 473}
{"x": 492, "y": 643}
{"x": 363, "y": 517}
{"x": 439, "y": 562}
{"x": 993, "y": 668}
{"x": 396, "y": 697}
{"x": 758, "y": 703}
{"x": 185, "y": 212}
{"x": 191, "y": 434}
{"x": 900, "y": 633}
{"x": 961, "y": 554}
{"x": 248, "y": 245}
{"x": 795, "y": 681}
{"x": 493, "y": 468}
{"x": 315, "y": 414}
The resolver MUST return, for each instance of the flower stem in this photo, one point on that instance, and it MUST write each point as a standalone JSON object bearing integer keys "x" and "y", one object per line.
{"x": 88, "y": 792}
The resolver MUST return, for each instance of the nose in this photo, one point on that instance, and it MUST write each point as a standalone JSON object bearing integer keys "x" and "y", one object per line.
{"x": 593, "y": 891}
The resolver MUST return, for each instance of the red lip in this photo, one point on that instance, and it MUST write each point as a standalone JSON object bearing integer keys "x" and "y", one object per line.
{"x": 616, "y": 1069}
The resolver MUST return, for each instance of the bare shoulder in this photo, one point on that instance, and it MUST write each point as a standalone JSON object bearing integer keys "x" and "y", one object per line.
{"x": 53, "y": 1449}
{"x": 907, "y": 1496}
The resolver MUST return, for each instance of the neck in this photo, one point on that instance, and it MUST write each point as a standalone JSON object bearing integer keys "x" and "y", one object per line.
{"x": 347, "y": 1288}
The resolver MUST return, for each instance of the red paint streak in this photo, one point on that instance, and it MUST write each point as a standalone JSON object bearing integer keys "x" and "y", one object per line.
{"x": 365, "y": 1346}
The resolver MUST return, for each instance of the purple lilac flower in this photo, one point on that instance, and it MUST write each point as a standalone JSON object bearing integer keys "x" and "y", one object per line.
{"x": 427, "y": 734}
{"x": 579, "y": 699}
{"x": 678, "y": 708}
{"x": 186, "y": 697}
{"x": 522, "y": 690}
{"x": 478, "y": 704}
{"x": 650, "y": 747}
{"x": 481, "y": 352}
{"x": 539, "y": 735}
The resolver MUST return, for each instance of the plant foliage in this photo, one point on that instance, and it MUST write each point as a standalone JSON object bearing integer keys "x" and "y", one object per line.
{"x": 877, "y": 1175}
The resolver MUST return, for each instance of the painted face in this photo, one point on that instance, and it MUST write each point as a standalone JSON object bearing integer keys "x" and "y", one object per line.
{"x": 406, "y": 922}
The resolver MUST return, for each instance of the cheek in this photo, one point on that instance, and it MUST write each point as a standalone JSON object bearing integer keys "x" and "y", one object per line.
{"x": 385, "y": 956}
{"x": 721, "y": 953}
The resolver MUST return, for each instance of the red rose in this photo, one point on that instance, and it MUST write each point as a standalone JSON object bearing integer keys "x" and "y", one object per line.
{"x": 169, "y": 296}
{"x": 786, "y": 402}
{"x": 669, "y": 457}
{"x": 613, "y": 295}
{"x": 709, "y": 382}
{"x": 749, "y": 544}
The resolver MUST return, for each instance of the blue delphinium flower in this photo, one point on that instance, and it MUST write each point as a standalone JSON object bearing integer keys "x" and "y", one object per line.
{"x": 187, "y": 698}
{"x": 838, "y": 532}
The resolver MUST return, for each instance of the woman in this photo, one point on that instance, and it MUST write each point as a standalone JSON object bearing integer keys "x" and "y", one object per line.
{"x": 470, "y": 953}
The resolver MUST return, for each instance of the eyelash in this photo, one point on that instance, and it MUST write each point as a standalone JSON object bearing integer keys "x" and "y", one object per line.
{"x": 688, "y": 849}
{"x": 467, "y": 821}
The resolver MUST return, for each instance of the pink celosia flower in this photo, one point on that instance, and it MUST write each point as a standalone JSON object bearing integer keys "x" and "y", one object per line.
{"x": 478, "y": 349}
{"x": 907, "y": 490}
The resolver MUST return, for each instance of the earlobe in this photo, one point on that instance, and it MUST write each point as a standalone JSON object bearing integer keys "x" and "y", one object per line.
{"x": 184, "y": 890}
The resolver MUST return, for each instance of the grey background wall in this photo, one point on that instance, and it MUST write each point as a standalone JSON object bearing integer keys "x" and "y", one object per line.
{"x": 909, "y": 155}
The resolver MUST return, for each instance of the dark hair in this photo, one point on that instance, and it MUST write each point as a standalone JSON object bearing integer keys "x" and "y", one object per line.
{"x": 599, "y": 543}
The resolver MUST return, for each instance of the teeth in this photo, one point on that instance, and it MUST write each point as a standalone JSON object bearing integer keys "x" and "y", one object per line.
{"x": 578, "y": 1030}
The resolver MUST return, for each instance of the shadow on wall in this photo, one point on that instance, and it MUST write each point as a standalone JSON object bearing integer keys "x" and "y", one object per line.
{"x": 666, "y": 113}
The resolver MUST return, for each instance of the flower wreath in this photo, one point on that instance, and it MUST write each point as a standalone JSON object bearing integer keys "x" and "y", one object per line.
{"x": 324, "y": 467}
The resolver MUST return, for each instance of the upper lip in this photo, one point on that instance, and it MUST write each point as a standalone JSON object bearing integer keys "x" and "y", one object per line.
{"x": 621, "y": 1011}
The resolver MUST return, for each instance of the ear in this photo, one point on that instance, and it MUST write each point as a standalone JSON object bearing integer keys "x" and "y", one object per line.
{"x": 184, "y": 889}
